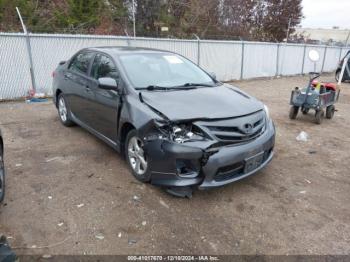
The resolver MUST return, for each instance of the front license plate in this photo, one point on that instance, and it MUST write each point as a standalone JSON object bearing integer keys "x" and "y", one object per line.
{"x": 253, "y": 162}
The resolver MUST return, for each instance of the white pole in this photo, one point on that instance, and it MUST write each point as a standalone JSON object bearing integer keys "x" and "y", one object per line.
{"x": 345, "y": 65}
{"x": 347, "y": 40}
{"x": 133, "y": 17}
{"x": 285, "y": 47}
{"x": 29, "y": 50}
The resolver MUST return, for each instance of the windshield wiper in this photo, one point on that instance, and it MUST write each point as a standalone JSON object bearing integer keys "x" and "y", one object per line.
{"x": 196, "y": 85}
{"x": 186, "y": 86}
{"x": 152, "y": 88}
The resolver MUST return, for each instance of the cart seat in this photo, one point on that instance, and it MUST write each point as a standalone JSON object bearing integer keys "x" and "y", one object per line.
{"x": 328, "y": 86}
{"x": 331, "y": 86}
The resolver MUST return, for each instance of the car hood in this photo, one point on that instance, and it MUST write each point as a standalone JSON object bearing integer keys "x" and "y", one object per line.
{"x": 224, "y": 101}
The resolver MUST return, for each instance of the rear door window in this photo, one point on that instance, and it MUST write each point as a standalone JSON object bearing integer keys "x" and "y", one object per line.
{"x": 81, "y": 62}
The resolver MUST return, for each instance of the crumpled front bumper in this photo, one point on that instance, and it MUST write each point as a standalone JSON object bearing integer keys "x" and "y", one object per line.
{"x": 178, "y": 165}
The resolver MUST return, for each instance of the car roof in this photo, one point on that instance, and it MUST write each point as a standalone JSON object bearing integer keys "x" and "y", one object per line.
{"x": 118, "y": 50}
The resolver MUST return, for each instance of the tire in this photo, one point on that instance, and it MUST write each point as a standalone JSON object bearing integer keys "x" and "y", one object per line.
{"x": 319, "y": 116}
{"x": 136, "y": 157}
{"x": 330, "y": 112}
{"x": 2, "y": 176}
{"x": 305, "y": 111}
{"x": 63, "y": 111}
{"x": 293, "y": 112}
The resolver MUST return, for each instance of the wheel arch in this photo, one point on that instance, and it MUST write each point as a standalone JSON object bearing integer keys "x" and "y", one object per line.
{"x": 124, "y": 131}
{"x": 58, "y": 92}
{"x": 1, "y": 145}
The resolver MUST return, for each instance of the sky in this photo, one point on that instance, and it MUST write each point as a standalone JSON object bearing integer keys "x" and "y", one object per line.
{"x": 326, "y": 13}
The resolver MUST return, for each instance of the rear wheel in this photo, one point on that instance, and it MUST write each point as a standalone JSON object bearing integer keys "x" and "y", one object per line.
{"x": 330, "y": 112}
{"x": 63, "y": 111}
{"x": 293, "y": 112}
{"x": 2, "y": 176}
{"x": 319, "y": 116}
{"x": 136, "y": 157}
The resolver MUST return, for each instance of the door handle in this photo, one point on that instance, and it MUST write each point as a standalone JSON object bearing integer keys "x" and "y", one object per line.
{"x": 87, "y": 89}
{"x": 66, "y": 76}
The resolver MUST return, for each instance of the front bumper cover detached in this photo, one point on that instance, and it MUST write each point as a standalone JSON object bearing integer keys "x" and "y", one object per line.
{"x": 179, "y": 165}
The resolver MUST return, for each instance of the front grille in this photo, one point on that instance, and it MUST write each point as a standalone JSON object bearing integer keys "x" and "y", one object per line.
{"x": 241, "y": 138}
{"x": 235, "y": 130}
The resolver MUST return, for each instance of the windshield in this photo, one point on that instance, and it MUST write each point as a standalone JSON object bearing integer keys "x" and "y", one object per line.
{"x": 163, "y": 70}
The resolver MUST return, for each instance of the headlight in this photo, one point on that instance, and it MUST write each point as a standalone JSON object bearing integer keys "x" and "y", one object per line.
{"x": 267, "y": 112}
{"x": 181, "y": 133}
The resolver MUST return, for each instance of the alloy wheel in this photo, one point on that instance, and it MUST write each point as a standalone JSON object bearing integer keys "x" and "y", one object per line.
{"x": 62, "y": 109}
{"x": 136, "y": 156}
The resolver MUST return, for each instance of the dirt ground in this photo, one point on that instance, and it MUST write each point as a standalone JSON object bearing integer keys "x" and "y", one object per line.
{"x": 69, "y": 193}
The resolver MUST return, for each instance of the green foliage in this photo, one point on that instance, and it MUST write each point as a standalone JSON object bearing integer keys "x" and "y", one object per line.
{"x": 64, "y": 16}
{"x": 264, "y": 20}
{"x": 81, "y": 15}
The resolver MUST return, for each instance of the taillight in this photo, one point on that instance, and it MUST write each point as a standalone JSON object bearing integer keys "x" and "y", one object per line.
{"x": 53, "y": 74}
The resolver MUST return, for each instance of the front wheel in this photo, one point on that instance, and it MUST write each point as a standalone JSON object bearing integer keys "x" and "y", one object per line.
{"x": 136, "y": 157}
{"x": 2, "y": 177}
{"x": 330, "y": 112}
{"x": 293, "y": 112}
{"x": 63, "y": 111}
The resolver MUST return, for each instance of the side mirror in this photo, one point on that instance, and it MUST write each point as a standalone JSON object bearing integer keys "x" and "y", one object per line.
{"x": 107, "y": 83}
{"x": 62, "y": 62}
{"x": 314, "y": 56}
{"x": 212, "y": 75}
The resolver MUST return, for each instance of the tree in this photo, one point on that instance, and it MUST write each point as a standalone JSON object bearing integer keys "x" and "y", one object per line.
{"x": 79, "y": 16}
{"x": 264, "y": 20}
{"x": 281, "y": 15}
{"x": 259, "y": 20}
{"x": 65, "y": 16}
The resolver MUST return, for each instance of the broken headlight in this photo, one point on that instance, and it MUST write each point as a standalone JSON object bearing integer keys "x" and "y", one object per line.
{"x": 182, "y": 133}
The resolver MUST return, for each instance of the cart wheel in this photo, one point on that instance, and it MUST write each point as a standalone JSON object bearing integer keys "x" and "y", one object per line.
{"x": 305, "y": 111}
{"x": 293, "y": 112}
{"x": 330, "y": 112}
{"x": 319, "y": 116}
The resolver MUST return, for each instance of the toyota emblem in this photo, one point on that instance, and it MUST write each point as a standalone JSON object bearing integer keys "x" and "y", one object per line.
{"x": 248, "y": 128}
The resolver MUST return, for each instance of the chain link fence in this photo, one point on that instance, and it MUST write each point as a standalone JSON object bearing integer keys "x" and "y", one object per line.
{"x": 230, "y": 60}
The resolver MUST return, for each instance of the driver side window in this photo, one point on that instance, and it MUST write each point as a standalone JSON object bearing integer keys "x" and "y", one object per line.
{"x": 81, "y": 62}
{"x": 103, "y": 66}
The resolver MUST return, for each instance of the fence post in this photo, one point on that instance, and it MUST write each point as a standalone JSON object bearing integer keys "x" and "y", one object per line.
{"x": 340, "y": 53}
{"x": 324, "y": 58}
{"x": 242, "y": 61}
{"x": 127, "y": 37}
{"x": 277, "y": 59}
{"x": 198, "y": 49}
{"x": 303, "y": 63}
{"x": 29, "y": 50}
{"x": 128, "y": 41}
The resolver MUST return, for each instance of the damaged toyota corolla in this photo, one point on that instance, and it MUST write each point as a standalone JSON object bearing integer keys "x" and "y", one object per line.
{"x": 177, "y": 125}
